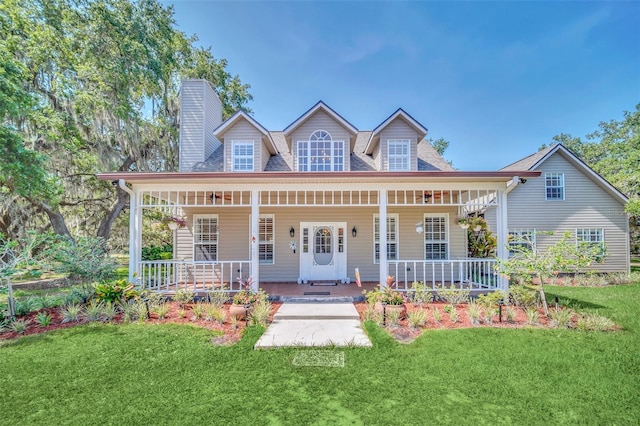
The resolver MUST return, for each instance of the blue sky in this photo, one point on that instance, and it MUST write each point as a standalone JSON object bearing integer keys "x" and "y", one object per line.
{"x": 495, "y": 79}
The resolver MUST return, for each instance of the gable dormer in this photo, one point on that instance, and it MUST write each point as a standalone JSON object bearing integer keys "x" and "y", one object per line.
{"x": 247, "y": 145}
{"x": 320, "y": 140}
{"x": 394, "y": 143}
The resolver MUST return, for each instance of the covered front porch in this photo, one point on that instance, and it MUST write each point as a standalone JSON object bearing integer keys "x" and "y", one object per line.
{"x": 277, "y": 231}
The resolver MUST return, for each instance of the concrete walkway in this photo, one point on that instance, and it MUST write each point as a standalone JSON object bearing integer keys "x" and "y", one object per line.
{"x": 314, "y": 324}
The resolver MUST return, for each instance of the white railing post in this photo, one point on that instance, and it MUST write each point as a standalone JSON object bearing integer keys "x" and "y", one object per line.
{"x": 382, "y": 220}
{"x": 503, "y": 235}
{"x": 255, "y": 239}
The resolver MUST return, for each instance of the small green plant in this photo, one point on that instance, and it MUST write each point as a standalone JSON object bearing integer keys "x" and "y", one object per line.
{"x": 214, "y": 312}
{"x": 532, "y": 316}
{"x": 27, "y": 305}
{"x": 474, "y": 313}
{"x": 115, "y": 291}
{"x": 452, "y": 295}
{"x": 43, "y": 319}
{"x": 560, "y": 318}
{"x": 182, "y": 313}
{"x": 152, "y": 298}
{"x": 133, "y": 310}
{"x": 161, "y": 310}
{"x": 19, "y": 326}
{"x": 489, "y": 312}
{"x": 109, "y": 311}
{"x": 371, "y": 314}
{"x": 417, "y": 318}
{"x": 393, "y": 317}
{"x": 436, "y": 314}
{"x": 510, "y": 314}
{"x": 95, "y": 310}
{"x": 218, "y": 297}
{"x": 198, "y": 310}
{"x": 184, "y": 296}
{"x": 71, "y": 313}
{"x": 594, "y": 322}
{"x": 233, "y": 321}
{"x": 420, "y": 294}
{"x": 454, "y": 316}
{"x": 522, "y": 296}
{"x": 448, "y": 309}
{"x": 260, "y": 313}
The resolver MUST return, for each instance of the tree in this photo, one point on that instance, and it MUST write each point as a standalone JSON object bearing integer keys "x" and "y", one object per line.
{"x": 91, "y": 86}
{"x": 613, "y": 151}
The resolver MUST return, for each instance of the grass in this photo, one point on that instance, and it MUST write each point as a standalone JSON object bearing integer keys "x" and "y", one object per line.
{"x": 129, "y": 374}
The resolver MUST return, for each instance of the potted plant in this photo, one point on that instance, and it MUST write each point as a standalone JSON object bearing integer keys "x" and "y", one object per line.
{"x": 174, "y": 222}
{"x": 463, "y": 222}
{"x": 243, "y": 301}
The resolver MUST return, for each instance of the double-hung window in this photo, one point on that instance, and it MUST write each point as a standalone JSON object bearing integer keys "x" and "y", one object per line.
{"x": 592, "y": 238}
{"x": 554, "y": 186}
{"x": 392, "y": 237}
{"x": 436, "y": 237}
{"x": 320, "y": 153}
{"x": 242, "y": 156}
{"x": 522, "y": 240}
{"x": 265, "y": 248}
{"x": 398, "y": 152}
{"x": 205, "y": 237}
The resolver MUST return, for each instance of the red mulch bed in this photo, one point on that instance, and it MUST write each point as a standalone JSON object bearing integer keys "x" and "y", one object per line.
{"x": 229, "y": 335}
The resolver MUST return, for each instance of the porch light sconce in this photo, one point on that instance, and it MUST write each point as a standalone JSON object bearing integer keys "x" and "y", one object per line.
{"x": 213, "y": 198}
{"x": 354, "y": 232}
{"x": 419, "y": 227}
{"x": 292, "y": 232}
{"x": 172, "y": 225}
{"x": 523, "y": 181}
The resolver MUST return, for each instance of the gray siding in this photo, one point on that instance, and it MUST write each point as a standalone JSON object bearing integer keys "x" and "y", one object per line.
{"x": 242, "y": 131}
{"x": 234, "y": 237}
{"x": 200, "y": 114}
{"x": 321, "y": 121}
{"x": 586, "y": 205}
{"x": 398, "y": 129}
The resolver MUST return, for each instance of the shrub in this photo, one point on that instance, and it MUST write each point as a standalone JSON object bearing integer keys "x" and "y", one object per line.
{"x": 437, "y": 315}
{"x": 594, "y": 322}
{"x": 198, "y": 310}
{"x": 19, "y": 326}
{"x": 134, "y": 310}
{"x": 510, "y": 314}
{"x": 452, "y": 295}
{"x": 115, "y": 291}
{"x": 157, "y": 252}
{"x": 474, "y": 313}
{"x": 420, "y": 294}
{"x": 522, "y": 296}
{"x": 71, "y": 313}
{"x": 161, "y": 310}
{"x": 27, "y": 305}
{"x": 393, "y": 317}
{"x": 184, "y": 296}
{"x": 95, "y": 311}
{"x": 454, "y": 316}
{"x": 43, "y": 319}
{"x": 86, "y": 258}
{"x": 560, "y": 318}
{"x": 214, "y": 312}
{"x": 218, "y": 297}
{"x": 371, "y": 314}
{"x": 532, "y": 316}
{"x": 417, "y": 318}
{"x": 260, "y": 313}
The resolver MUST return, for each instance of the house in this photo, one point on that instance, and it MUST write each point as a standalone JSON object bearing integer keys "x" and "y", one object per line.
{"x": 569, "y": 197}
{"x": 320, "y": 201}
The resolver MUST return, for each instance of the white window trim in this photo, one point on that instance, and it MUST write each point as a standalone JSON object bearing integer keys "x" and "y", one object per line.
{"x": 235, "y": 143}
{"x": 266, "y": 242}
{"x": 406, "y": 142}
{"x": 196, "y": 219}
{"x": 546, "y": 187}
{"x": 446, "y": 231}
{"x": 396, "y": 217}
{"x": 601, "y": 233}
{"x": 519, "y": 233}
{"x": 332, "y": 164}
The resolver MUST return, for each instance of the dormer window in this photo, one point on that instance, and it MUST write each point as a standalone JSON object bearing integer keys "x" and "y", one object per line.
{"x": 320, "y": 153}
{"x": 242, "y": 156}
{"x": 398, "y": 152}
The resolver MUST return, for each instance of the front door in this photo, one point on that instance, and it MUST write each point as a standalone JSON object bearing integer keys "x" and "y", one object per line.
{"x": 324, "y": 251}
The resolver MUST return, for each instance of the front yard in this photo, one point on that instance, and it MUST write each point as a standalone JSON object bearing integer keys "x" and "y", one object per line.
{"x": 172, "y": 374}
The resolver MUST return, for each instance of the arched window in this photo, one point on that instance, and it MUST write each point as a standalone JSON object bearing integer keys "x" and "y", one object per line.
{"x": 320, "y": 153}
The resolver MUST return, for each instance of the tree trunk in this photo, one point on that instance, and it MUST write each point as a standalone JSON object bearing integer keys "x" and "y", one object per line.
{"x": 106, "y": 224}
{"x": 56, "y": 219}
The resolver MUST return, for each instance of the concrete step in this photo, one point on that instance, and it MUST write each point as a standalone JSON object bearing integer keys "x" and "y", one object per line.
{"x": 313, "y": 333}
{"x": 317, "y": 311}
{"x": 319, "y": 299}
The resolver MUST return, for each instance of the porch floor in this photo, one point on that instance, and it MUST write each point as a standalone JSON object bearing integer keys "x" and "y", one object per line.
{"x": 296, "y": 292}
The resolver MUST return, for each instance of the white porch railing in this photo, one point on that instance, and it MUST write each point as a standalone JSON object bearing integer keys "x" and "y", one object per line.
{"x": 171, "y": 275}
{"x": 466, "y": 274}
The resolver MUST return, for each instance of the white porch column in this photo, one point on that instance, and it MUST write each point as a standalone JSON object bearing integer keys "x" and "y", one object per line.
{"x": 382, "y": 219}
{"x": 135, "y": 235}
{"x": 503, "y": 235}
{"x": 255, "y": 239}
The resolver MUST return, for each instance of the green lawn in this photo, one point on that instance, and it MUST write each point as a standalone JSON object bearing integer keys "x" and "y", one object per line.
{"x": 146, "y": 374}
